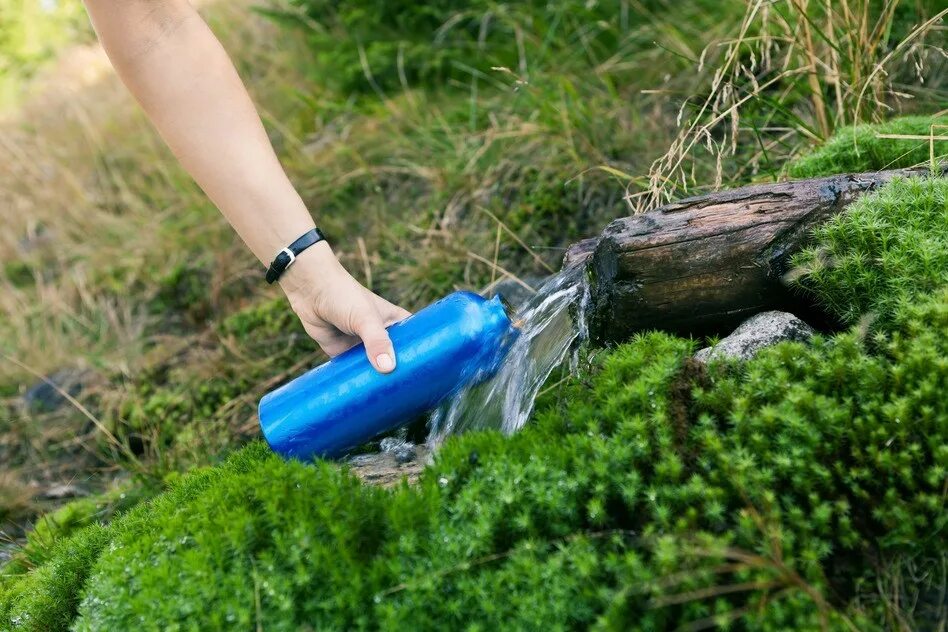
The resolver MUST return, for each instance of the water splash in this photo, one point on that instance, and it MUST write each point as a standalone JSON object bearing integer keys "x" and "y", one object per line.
{"x": 550, "y": 323}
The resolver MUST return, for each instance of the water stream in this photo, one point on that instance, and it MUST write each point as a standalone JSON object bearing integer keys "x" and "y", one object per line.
{"x": 552, "y": 323}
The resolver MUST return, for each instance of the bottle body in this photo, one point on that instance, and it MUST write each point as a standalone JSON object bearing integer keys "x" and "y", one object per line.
{"x": 454, "y": 342}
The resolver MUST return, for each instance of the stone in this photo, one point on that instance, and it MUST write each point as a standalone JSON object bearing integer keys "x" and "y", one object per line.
{"x": 755, "y": 333}
{"x": 8, "y": 550}
{"x": 42, "y": 396}
{"x": 63, "y": 491}
{"x": 401, "y": 450}
{"x": 366, "y": 460}
{"x": 384, "y": 469}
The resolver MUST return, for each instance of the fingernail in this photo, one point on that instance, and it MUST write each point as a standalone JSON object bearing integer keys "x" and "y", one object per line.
{"x": 384, "y": 362}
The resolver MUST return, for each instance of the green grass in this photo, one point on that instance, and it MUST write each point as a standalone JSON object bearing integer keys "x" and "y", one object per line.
{"x": 774, "y": 495}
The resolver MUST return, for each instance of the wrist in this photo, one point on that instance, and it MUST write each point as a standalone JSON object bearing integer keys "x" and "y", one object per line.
{"x": 311, "y": 268}
{"x": 282, "y": 225}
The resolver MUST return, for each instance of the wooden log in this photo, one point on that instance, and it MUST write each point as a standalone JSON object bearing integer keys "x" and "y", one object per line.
{"x": 705, "y": 263}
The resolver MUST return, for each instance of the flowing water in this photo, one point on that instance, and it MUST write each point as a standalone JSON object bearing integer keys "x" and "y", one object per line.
{"x": 551, "y": 323}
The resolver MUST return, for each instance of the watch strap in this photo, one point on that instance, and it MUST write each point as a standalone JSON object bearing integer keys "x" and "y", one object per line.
{"x": 288, "y": 255}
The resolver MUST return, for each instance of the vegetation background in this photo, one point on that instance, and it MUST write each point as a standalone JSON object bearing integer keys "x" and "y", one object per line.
{"x": 454, "y": 144}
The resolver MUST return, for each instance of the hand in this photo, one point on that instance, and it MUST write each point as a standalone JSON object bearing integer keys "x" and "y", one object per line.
{"x": 336, "y": 310}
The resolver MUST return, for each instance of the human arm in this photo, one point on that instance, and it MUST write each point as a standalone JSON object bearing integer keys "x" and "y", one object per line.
{"x": 180, "y": 74}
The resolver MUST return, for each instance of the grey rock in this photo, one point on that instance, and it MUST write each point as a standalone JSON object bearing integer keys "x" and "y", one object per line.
{"x": 7, "y": 550}
{"x": 403, "y": 451}
{"x": 42, "y": 396}
{"x": 383, "y": 468}
{"x": 62, "y": 492}
{"x": 405, "y": 454}
{"x": 755, "y": 333}
{"x": 388, "y": 444}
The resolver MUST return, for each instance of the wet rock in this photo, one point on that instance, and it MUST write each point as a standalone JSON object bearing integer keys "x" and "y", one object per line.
{"x": 385, "y": 469}
{"x": 405, "y": 454}
{"x": 8, "y": 550}
{"x": 364, "y": 460}
{"x": 45, "y": 396}
{"x": 403, "y": 451}
{"x": 755, "y": 333}
{"x": 514, "y": 292}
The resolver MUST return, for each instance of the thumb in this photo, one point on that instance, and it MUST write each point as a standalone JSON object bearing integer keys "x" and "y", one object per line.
{"x": 378, "y": 346}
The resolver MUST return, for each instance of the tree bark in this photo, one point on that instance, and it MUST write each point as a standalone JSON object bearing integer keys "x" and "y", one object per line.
{"x": 704, "y": 264}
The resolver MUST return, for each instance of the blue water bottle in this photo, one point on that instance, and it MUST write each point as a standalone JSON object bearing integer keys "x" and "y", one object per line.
{"x": 460, "y": 340}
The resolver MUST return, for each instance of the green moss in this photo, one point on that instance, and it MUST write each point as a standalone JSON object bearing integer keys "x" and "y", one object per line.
{"x": 799, "y": 470}
{"x": 857, "y": 149}
{"x": 888, "y": 249}
{"x": 62, "y": 523}
{"x": 642, "y": 493}
{"x": 47, "y": 598}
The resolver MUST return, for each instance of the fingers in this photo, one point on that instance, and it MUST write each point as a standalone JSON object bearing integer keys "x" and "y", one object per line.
{"x": 378, "y": 346}
{"x": 330, "y": 339}
{"x": 340, "y": 318}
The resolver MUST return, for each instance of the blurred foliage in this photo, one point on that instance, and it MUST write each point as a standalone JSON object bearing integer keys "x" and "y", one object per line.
{"x": 793, "y": 74}
{"x": 393, "y": 45}
{"x": 32, "y": 32}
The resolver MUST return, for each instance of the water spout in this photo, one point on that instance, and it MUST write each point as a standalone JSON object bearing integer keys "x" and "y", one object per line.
{"x": 551, "y": 323}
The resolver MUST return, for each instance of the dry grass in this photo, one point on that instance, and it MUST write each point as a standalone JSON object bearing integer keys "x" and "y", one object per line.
{"x": 96, "y": 212}
{"x": 15, "y": 497}
{"x": 97, "y": 218}
{"x": 794, "y": 72}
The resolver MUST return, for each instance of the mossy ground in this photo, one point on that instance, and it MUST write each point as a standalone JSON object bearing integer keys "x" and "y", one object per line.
{"x": 909, "y": 141}
{"x": 774, "y": 494}
{"x": 473, "y": 132}
{"x": 889, "y": 250}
